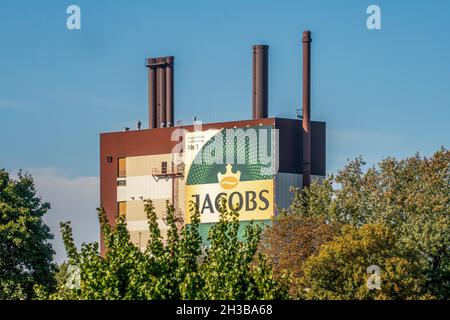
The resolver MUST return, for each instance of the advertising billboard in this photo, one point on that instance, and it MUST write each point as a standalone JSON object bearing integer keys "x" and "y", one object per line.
{"x": 234, "y": 164}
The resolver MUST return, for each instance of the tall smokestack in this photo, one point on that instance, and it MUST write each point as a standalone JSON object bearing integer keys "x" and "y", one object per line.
{"x": 161, "y": 95}
{"x": 152, "y": 123}
{"x": 306, "y": 122}
{"x": 160, "y": 92}
{"x": 169, "y": 92}
{"x": 260, "y": 82}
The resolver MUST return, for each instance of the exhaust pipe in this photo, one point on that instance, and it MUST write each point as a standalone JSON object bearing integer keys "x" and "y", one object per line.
{"x": 160, "y": 92}
{"x": 152, "y": 123}
{"x": 161, "y": 97}
{"x": 260, "y": 82}
{"x": 306, "y": 106}
{"x": 169, "y": 92}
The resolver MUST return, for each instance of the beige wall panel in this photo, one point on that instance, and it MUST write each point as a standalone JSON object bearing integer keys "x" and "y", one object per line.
{"x": 121, "y": 193}
{"x": 135, "y": 209}
{"x": 142, "y": 225}
{"x": 146, "y": 187}
{"x": 143, "y": 165}
{"x": 160, "y": 206}
{"x": 140, "y": 238}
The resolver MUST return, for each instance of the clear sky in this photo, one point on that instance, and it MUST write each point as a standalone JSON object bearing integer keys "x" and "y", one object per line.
{"x": 381, "y": 92}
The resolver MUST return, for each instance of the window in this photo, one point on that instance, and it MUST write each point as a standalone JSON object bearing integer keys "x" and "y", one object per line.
{"x": 121, "y": 183}
{"x": 164, "y": 167}
{"x": 122, "y": 208}
{"x": 122, "y": 168}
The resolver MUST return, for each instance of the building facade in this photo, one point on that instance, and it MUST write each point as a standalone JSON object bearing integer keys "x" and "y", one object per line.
{"x": 146, "y": 164}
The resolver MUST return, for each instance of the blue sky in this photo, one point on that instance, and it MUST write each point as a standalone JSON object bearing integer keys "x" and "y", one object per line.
{"x": 381, "y": 92}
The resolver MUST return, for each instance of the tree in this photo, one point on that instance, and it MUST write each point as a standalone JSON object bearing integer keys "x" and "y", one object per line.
{"x": 233, "y": 269}
{"x": 230, "y": 269}
{"x": 339, "y": 270}
{"x": 292, "y": 239}
{"x": 410, "y": 197}
{"x": 25, "y": 252}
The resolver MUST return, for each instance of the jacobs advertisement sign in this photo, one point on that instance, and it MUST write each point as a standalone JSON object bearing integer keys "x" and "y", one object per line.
{"x": 235, "y": 164}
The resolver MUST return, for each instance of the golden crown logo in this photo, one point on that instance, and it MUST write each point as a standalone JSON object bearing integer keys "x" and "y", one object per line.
{"x": 229, "y": 180}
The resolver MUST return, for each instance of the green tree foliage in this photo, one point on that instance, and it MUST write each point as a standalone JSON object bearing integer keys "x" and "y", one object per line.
{"x": 178, "y": 269}
{"x": 410, "y": 198}
{"x": 339, "y": 270}
{"x": 395, "y": 215}
{"x": 229, "y": 270}
{"x": 291, "y": 240}
{"x": 25, "y": 253}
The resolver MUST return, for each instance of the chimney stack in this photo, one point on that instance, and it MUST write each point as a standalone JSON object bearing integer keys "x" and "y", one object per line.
{"x": 152, "y": 123}
{"x": 306, "y": 121}
{"x": 169, "y": 92}
{"x": 260, "y": 82}
{"x": 160, "y": 92}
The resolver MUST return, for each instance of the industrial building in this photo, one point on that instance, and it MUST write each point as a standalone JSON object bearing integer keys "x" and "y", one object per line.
{"x": 252, "y": 163}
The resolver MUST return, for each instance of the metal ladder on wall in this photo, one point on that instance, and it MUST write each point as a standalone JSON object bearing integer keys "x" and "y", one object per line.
{"x": 175, "y": 172}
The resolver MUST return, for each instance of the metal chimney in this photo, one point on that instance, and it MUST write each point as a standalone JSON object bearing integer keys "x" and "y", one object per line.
{"x": 306, "y": 121}
{"x": 169, "y": 92}
{"x": 161, "y": 93}
{"x": 260, "y": 82}
{"x": 152, "y": 123}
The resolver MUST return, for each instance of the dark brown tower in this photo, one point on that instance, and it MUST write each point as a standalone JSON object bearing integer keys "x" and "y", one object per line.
{"x": 152, "y": 123}
{"x": 161, "y": 95}
{"x": 260, "y": 82}
{"x": 306, "y": 121}
{"x": 160, "y": 92}
{"x": 169, "y": 92}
